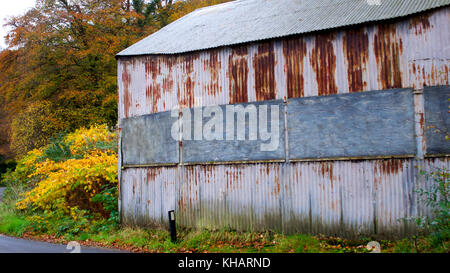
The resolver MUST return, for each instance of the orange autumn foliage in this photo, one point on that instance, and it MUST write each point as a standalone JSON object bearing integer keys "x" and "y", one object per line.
{"x": 63, "y": 52}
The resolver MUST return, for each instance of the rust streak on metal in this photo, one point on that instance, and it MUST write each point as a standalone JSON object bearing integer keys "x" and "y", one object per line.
{"x": 126, "y": 78}
{"x": 390, "y": 166}
{"x": 180, "y": 200}
{"x": 227, "y": 173}
{"x": 446, "y": 75}
{"x": 356, "y": 50}
{"x": 233, "y": 177}
{"x": 323, "y": 62}
{"x": 213, "y": 65}
{"x": 153, "y": 173}
{"x": 276, "y": 190}
{"x": 388, "y": 49}
{"x": 207, "y": 171}
{"x": 153, "y": 90}
{"x": 294, "y": 51}
{"x": 187, "y": 99}
{"x": 326, "y": 171}
{"x": 414, "y": 68}
{"x": 264, "y": 66}
{"x": 168, "y": 77}
{"x": 422, "y": 122}
{"x": 420, "y": 24}
{"x": 277, "y": 178}
{"x": 238, "y": 70}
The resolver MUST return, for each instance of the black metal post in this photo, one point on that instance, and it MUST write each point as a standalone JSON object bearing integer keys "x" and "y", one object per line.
{"x": 172, "y": 226}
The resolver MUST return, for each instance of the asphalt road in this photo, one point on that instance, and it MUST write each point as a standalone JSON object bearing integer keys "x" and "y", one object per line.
{"x": 14, "y": 245}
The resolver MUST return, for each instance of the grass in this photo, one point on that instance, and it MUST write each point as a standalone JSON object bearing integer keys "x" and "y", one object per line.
{"x": 203, "y": 241}
{"x": 421, "y": 245}
{"x": 14, "y": 223}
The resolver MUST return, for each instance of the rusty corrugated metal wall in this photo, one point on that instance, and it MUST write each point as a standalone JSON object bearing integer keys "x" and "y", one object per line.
{"x": 409, "y": 53}
{"x": 332, "y": 197}
{"x": 345, "y": 198}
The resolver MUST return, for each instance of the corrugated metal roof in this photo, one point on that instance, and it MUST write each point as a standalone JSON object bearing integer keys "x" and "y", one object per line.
{"x": 252, "y": 20}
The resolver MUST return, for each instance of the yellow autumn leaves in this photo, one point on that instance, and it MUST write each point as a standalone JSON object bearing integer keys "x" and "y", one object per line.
{"x": 73, "y": 182}
{"x": 82, "y": 138}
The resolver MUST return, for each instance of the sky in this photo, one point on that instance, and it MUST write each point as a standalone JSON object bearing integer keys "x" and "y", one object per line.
{"x": 9, "y": 8}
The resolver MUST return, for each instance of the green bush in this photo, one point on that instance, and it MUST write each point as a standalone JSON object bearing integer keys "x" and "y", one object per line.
{"x": 108, "y": 198}
{"x": 437, "y": 198}
{"x": 58, "y": 150}
{"x": 58, "y": 223}
{"x": 79, "y": 171}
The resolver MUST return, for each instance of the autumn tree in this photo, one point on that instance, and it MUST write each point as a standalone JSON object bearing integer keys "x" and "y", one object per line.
{"x": 63, "y": 52}
{"x": 33, "y": 128}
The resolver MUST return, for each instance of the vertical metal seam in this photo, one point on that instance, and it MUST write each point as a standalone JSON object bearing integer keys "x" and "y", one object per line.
{"x": 120, "y": 205}
{"x": 180, "y": 165}
{"x": 374, "y": 201}
{"x": 341, "y": 213}
{"x": 284, "y": 177}
{"x": 419, "y": 121}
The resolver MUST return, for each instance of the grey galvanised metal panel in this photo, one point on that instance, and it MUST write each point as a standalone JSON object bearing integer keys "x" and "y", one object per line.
{"x": 377, "y": 123}
{"x": 437, "y": 121}
{"x": 237, "y": 150}
{"x": 148, "y": 140}
{"x": 252, "y": 20}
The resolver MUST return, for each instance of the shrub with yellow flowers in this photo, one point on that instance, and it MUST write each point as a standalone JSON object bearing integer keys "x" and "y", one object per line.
{"x": 73, "y": 182}
{"x": 96, "y": 138}
{"x": 74, "y": 173}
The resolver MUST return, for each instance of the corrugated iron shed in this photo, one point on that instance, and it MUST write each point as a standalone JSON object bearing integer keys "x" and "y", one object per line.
{"x": 254, "y": 20}
{"x": 346, "y": 196}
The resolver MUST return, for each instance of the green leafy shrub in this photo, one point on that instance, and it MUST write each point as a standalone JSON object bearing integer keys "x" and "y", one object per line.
{"x": 108, "y": 198}
{"x": 68, "y": 187}
{"x": 437, "y": 198}
{"x": 58, "y": 150}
